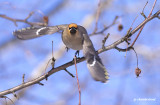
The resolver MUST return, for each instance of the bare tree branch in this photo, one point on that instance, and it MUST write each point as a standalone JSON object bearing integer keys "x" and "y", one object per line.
{"x": 128, "y": 35}
{"x": 143, "y": 26}
{"x": 62, "y": 67}
{"x": 105, "y": 28}
{"x": 23, "y": 20}
{"x": 97, "y": 16}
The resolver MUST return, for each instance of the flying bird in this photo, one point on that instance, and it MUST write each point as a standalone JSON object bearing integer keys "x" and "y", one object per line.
{"x": 75, "y": 37}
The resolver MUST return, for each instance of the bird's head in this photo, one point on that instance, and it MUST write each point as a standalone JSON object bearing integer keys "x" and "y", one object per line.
{"x": 72, "y": 28}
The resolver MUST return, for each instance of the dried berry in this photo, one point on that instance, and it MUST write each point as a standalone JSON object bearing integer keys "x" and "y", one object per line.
{"x": 137, "y": 72}
{"x": 120, "y": 27}
{"x": 45, "y": 19}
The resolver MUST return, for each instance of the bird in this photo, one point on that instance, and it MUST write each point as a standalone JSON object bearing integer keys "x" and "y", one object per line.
{"x": 75, "y": 37}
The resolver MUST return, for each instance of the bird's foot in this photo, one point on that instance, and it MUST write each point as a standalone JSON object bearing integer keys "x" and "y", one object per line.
{"x": 67, "y": 49}
{"x": 77, "y": 53}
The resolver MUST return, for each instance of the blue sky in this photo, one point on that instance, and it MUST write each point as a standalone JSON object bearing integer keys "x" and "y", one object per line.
{"x": 18, "y": 57}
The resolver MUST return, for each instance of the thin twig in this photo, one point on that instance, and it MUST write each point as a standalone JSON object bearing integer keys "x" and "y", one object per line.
{"x": 127, "y": 49}
{"x": 97, "y": 16}
{"x": 136, "y": 56}
{"x": 103, "y": 30}
{"x": 133, "y": 22}
{"x": 40, "y": 83}
{"x": 79, "y": 89}
{"x": 128, "y": 32}
{"x": 7, "y": 98}
{"x": 23, "y": 20}
{"x": 123, "y": 50}
{"x": 30, "y": 14}
{"x": 143, "y": 25}
{"x": 128, "y": 35}
{"x": 47, "y": 66}
{"x": 14, "y": 94}
{"x": 69, "y": 73}
{"x": 142, "y": 13}
{"x": 104, "y": 40}
{"x": 53, "y": 59}
{"x": 23, "y": 77}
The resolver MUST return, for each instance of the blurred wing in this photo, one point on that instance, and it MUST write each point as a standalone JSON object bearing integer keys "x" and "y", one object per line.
{"x": 34, "y": 32}
{"x": 97, "y": 69}
{"x": 94, "y": 63}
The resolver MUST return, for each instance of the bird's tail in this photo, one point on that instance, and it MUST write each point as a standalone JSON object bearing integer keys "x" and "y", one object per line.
{"x": 94, "y": 63}
{"x": 96, "y": 68}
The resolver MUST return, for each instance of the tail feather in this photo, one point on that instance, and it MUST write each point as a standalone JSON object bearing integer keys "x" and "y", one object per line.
{"x": 97, "y": 70}
{"x": 94, "y": 63}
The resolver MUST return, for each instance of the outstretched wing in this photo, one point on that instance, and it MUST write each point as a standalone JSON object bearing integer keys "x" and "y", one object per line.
{"x": 34, "y": 32}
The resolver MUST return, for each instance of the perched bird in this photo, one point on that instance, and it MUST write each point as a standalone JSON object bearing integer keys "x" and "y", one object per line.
{"x": 75, "y": 37}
